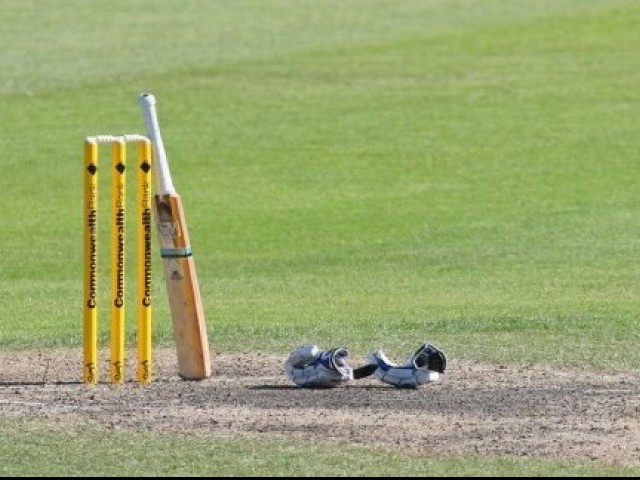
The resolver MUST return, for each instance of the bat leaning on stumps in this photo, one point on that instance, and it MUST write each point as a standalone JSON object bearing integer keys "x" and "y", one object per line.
{"x": 187, "y": 315}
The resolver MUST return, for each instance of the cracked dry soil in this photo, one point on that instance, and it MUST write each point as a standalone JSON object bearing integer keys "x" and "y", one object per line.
{"x": 521, "y": 410}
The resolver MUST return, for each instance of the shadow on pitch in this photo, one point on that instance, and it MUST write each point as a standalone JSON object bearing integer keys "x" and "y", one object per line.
{"x": 38, "y": 384}
{"x": 306, "y": 389}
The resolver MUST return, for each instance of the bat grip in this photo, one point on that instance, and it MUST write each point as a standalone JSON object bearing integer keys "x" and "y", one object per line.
{"x": 161, "y": 167}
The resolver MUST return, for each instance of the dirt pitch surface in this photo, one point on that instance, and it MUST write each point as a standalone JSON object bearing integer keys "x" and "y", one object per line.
{"x": 475, "y": 408}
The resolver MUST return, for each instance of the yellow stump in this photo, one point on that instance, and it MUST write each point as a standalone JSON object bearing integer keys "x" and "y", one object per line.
{"x": 90, "y": 307}
{"x": 144, "y": 194}
{"x": 118, "y": 204}
{"x": 118, "y": 254}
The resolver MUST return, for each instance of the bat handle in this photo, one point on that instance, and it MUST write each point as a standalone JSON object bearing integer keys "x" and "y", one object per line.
{"x": 163, "y": 175}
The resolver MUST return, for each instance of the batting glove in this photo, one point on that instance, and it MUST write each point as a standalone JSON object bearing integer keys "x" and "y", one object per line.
{"x": 308, "y": 366}
{"x": 424, "y": 366}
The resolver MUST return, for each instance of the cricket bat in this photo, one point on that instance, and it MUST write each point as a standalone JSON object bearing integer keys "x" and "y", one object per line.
{"x": 185, "y": 302}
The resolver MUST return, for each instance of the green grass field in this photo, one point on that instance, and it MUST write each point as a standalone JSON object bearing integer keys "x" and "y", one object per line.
{"x": 362, "y": 173}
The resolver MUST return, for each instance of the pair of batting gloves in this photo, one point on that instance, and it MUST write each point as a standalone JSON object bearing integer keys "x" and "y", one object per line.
{"x": 309, "y": 366}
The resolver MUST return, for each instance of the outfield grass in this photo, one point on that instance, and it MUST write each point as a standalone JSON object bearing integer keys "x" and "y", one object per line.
{"x": 362, "y": 173}
{"x": 94, "y": 451}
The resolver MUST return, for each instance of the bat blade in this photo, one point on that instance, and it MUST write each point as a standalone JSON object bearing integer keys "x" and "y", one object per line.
{"x": 189, "y": 328}
{"x": 183, "y": 291}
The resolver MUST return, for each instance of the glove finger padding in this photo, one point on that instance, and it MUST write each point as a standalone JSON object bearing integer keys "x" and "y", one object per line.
{"x": 424, "y": 366}
{"x": 430, "y": 357}
{"x": 309, "y": 366}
